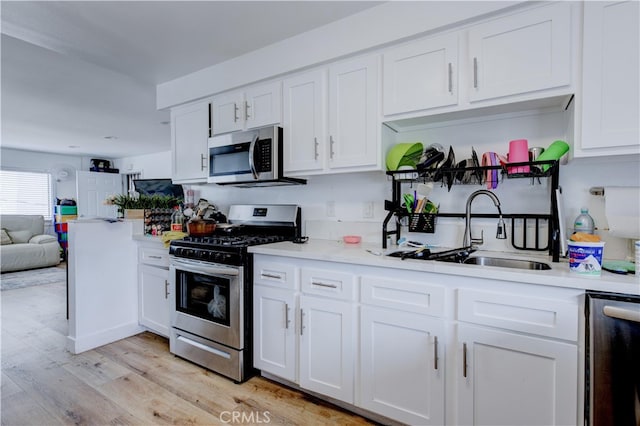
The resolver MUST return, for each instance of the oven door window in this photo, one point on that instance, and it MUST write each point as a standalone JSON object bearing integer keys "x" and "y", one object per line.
{"x": 204, "y": 296}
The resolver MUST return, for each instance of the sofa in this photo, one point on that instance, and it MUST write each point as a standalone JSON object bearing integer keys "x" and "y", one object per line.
{"x": 24, "y": 245}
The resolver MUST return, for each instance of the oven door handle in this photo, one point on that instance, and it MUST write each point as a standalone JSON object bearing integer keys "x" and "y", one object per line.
{"x": 621, "y": 313}
{"x": 211, "y": 270}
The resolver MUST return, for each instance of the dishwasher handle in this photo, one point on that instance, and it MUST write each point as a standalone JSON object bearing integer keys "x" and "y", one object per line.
{"x": 621, "y": 313}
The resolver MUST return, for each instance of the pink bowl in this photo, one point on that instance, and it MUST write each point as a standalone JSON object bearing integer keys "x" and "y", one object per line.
{"x": 351, "y": 239}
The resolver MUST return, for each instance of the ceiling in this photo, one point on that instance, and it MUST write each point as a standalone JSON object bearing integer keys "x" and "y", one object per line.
{"x": 79, "y": 77}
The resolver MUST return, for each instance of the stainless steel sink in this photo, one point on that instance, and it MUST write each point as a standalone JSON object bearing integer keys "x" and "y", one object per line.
{"x": 507, "y": 263}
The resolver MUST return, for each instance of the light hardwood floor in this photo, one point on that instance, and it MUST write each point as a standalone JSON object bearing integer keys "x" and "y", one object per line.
{"x": 135, "y": 381}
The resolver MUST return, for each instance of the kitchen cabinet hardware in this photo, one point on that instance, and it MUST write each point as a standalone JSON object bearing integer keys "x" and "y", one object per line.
{"x": 246, "y": 110}
{"x": 435, "y": 352}
{"x": 464, "y": 360}
{"x": 166, "y": 289}
{"x": 203, "y": 162}
{"x": 268, "y": 275}
{"x": 475, "y": 73}
{"x": 315, "y": 147}
{"x": 286, "y": 316}
{"x": 450, "y": 74}
{"x": 331, "y": 145}
{"x": 301, "y": 322}
{"x": 235, "y": 113}
{"x": 154, "y": 257}
{"x": 321, "y": 284}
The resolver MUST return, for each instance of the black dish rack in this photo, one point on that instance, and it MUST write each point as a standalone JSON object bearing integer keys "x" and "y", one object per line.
{"x": 426, "y": 222}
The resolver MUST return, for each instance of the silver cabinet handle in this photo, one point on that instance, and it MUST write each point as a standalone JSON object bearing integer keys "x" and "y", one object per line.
{"x": 267, "y": 275}
{"x": 315, "y": 141}
{"x": 450, "y": 77}
{"x": 301, "y": 321}
{"x": 235, "y": 112}
{"x": 286, "y": 316}
{"x": 621, "y": 313}
{"x": 166, "y": 289}
{"x": 475, "y": 73}
{"x": 435, "y": 352}
{"x": 464, "y": 360}
{"x": 246, "y": 110}
{"x": 203, "y": 162}
{"x": 331, "y": 144}
{"x": 321, "y": 284}
{"x": 153, "y": 256}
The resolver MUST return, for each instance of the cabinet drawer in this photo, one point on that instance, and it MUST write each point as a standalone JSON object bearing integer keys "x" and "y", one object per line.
{"x": 408, "y": 296}
{"x": 536, "y": 315}
{"x": 276, "y": 274}
{"x": 154, "y": 256}
{"x": 323, "y": 282}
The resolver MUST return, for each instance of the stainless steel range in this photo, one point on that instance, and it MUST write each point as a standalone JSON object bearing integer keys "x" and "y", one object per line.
{"x": 211, "y": 316}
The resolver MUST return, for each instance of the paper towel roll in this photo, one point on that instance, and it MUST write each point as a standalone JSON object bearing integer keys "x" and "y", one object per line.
{"x": 622, "y": 208}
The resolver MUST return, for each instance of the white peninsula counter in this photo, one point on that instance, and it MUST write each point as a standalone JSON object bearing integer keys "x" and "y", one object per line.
{"x": 103, "y": 289}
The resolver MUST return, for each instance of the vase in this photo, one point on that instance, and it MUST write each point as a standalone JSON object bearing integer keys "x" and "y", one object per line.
{"x": 134, "y": 213}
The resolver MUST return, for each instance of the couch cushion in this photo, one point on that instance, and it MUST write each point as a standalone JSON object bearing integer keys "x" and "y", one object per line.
{"x": 4, "y": 237}
{"x": 22, "y": 227}
{"x": 43, "y": 239}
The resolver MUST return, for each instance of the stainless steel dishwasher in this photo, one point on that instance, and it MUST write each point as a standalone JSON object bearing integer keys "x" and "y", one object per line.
{"x": 613, "y": 359}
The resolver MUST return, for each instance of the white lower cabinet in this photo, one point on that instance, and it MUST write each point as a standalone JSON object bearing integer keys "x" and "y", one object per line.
{"x": 420, "y": 348}
{"x": 327, "y": 347}
{"x": 153, "y": 289}
{"x": 512, "y": 379}
{"x": 402, "y": 365}
{"x": 274, "y": 333}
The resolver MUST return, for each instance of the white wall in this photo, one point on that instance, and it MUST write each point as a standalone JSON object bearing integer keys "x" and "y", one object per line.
{"x": 151, "y": 166}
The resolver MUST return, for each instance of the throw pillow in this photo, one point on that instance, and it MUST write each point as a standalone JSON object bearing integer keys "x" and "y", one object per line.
{"x": 5, "y": 238}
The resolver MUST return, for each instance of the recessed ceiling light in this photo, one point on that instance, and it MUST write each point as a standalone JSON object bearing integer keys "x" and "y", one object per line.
{"x": 111, "y": 137}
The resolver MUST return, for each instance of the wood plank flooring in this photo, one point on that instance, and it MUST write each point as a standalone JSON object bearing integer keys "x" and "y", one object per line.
{"x": 135, "y": 381}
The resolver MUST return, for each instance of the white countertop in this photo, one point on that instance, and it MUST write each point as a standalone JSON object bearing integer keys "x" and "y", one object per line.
{"x": 558, "y": 276}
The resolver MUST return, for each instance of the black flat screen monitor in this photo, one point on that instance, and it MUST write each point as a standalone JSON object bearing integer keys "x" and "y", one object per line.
{"x": 158, "y": 186}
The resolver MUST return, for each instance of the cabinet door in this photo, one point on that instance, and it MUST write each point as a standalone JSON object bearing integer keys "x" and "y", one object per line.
{"x": 228, "y": 112}
{"x": 153, "y": 305}
{"x": 304, "y": 122}
{"x": 521, "y": 53}
{"x": 421, "y": 75}
{"x": 610, "y": 72}
{"x": 402, "y": 365}
{"x": 190, "y": 131}
{"x": 513, "y": 379}
{"x": 327, "y": 347}
{"x": 274, "y": 336}
{"x": 353, "y": 114}
{"x": 263, "y": 105}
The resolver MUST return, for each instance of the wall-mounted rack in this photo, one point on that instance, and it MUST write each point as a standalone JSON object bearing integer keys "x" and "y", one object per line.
{"x": 538, "y": 169}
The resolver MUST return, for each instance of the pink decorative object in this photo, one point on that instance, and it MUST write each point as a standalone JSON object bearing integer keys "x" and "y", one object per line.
{"x": 351, "y": 239}
{"x": 518, "y": 153}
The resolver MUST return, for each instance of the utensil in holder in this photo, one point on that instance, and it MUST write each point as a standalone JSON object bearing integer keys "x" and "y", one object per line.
{"x": 422, "y": 222}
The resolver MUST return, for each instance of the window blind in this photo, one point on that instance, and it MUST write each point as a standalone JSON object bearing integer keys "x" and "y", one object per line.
{"x": 25, "y": 193}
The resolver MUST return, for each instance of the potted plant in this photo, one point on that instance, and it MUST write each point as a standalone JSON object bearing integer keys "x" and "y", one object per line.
{"x": 133, "y": 207}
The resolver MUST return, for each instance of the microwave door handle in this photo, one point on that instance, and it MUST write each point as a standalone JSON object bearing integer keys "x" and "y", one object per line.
{"x": 252, "y": 165}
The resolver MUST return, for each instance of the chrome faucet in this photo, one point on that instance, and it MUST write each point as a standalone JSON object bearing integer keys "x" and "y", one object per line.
{"x": 501, "y": 232}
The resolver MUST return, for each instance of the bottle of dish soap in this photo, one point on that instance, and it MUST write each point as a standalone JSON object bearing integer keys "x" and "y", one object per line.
{"x": 584, "y": 222}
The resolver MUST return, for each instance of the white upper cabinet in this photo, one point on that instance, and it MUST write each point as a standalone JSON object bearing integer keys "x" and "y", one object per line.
{"x": 610, "y": 113}
{"x": 190, "y": 132}
{"x": 350, "y": 139}
{"x": 421, "y": 75}
{"x": 518, "y": 57}
{"x": 354, "y": 114}
{"x": 304, "y": 121}
{"x": 256, "y": 106}
{"x": 521, "y": 53}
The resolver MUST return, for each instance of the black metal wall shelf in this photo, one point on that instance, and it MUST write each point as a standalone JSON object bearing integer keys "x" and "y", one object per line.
{"x": 394, "y": 206}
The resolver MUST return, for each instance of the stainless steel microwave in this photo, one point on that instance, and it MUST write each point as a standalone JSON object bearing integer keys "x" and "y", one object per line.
{"x": 250, "y": 158}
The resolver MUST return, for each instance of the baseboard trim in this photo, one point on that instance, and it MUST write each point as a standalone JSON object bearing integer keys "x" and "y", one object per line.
{"x": 79, "y": 344}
